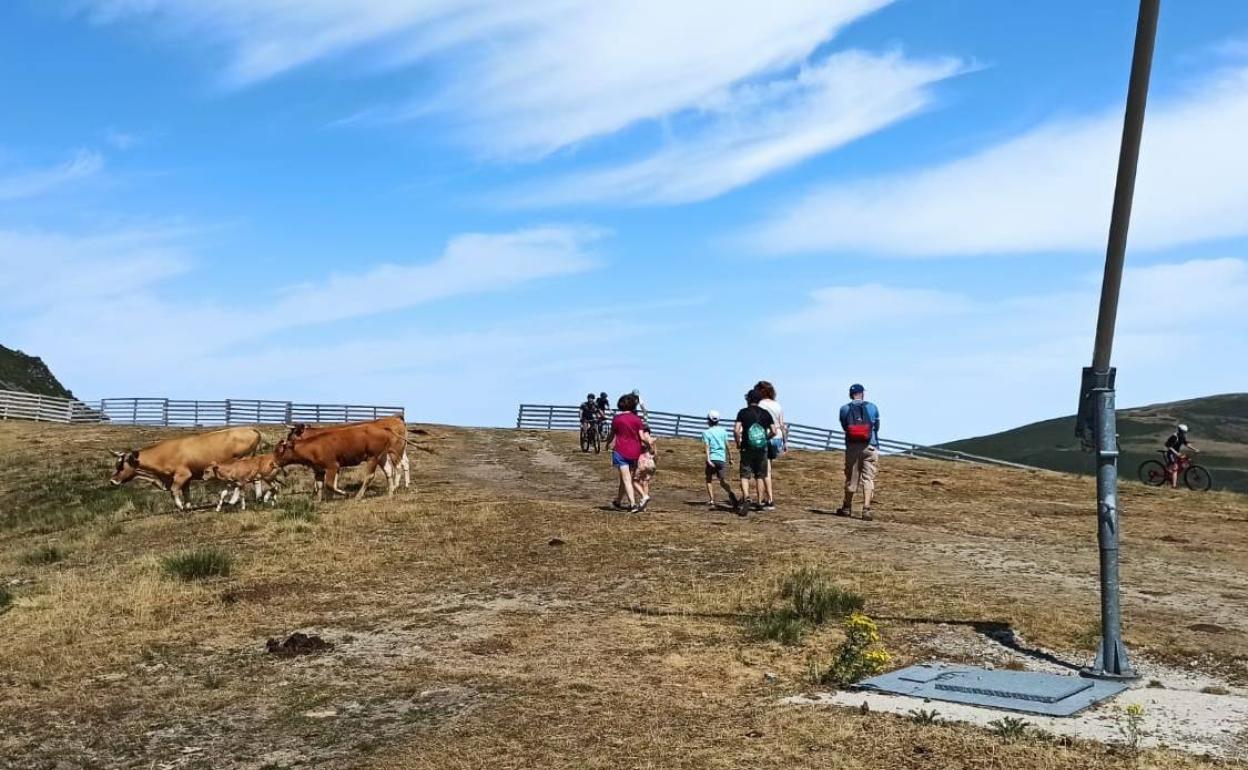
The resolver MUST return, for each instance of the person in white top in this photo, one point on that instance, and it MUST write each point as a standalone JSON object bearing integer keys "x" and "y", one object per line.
{"x": 779, "y": 443}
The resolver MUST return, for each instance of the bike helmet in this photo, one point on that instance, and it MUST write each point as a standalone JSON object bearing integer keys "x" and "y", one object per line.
{"x": 590, "y": 397}
{"x": 1183, "y": 428}
{"x": 603, "y": 394}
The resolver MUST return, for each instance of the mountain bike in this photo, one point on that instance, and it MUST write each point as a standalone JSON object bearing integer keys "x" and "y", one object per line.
{"x": 1196, "y": 477}
{"x": 591, "y": 437}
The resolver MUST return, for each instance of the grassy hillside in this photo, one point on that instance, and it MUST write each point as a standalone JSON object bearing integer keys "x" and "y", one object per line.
{"x": 505, "y": 618}
{"x": 19, "y": 371}
{"x": 1219, "y": 428}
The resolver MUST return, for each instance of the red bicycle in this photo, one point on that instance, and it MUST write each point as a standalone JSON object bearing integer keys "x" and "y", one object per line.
{"x": 1197, "y": 479}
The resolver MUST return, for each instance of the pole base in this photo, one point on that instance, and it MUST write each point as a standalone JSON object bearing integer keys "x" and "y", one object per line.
{"x": 1119, "y": 668}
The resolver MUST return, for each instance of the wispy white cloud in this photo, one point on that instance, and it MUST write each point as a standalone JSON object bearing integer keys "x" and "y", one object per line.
{"x": 29, "y": 183}
{"x": 950, "y": 365}
{"x": 526, "y": 78}
{"x": 1047, "y": 190}
{"x": 103, "y": 308}
{"x": 758, "y": 128}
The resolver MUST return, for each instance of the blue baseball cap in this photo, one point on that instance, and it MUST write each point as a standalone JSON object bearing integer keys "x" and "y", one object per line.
{"x": 856, "y": 388}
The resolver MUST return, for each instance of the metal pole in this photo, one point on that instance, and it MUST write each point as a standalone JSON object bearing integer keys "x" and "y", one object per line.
{"x": 1111, "y": 659}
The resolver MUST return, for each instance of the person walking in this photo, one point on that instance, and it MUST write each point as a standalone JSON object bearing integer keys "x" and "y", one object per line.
{"x": 753, "y": 432}
{"x": 860, "y": 420}
{"x": 628, "y": 432}
{"x": 715, "y": 440}
{"x": 767, "y": 400}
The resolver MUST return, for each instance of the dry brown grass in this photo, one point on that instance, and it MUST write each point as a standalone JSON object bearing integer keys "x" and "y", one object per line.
{"x": 464, "y": 639}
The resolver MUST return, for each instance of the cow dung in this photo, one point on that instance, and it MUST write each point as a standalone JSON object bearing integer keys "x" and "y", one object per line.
{"x": 298, "y": 644}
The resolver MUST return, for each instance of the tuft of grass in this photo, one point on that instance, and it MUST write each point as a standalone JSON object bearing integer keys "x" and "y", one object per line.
{"x": 1009, "y": 728}
{"x": 297, "y": 509}
{"x": 776, "y": 625}
{"x": 6, "y": 597}
{"x": 43, "y": 555}
{"x": 816, "y": 598}
{"x": 925, "y": 717}
{"x": 198, "y": 564}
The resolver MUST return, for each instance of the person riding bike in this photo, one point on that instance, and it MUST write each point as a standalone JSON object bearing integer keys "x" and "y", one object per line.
{"x": 604, "y": 404}
{"x": 1175, "y": 445}
{"x": 589, "y": 413}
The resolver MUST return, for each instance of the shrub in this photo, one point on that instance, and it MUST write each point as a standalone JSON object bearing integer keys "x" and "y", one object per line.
{"x": 859, "y": 656}
{"x": 44, "y": 554}
{"x": 816, "y": 598}
{"x": 776, "y": 625}
{"x": 1131, "y": 726}
{"x": 198, "y": 564}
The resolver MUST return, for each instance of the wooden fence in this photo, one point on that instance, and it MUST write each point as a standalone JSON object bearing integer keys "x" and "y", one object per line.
{"x": 672, "y": 425}
{"x": 166, "y": 412}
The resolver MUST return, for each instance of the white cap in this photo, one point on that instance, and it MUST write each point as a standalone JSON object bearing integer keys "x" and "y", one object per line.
{"x": 713, "y": 416}
{"x": 1183, "y": 428}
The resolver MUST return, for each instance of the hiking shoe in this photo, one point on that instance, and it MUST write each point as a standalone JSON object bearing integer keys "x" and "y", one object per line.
{"x": 843, "y": 512}
{"x": 758, "y": 506}
{"x": 641, "y": 506}
{"x": 743, "y": 509}
{"x": 769, "y": 506}
{"x": 866, "y": 515}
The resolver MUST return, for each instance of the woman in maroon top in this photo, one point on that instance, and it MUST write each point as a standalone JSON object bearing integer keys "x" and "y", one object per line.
{"x": 628, "y": 432}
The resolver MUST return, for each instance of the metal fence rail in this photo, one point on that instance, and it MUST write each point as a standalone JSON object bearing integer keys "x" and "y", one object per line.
{"x": 166, "y": 412}
{"x": 672, "y": 425}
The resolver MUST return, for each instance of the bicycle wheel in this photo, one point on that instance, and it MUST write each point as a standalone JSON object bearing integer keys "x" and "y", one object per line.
{"x": 1197, "y": 478}
{"x": 1153, "y": 473}
{"x": 585, "y": 439}
{"x": 596, "y": 441}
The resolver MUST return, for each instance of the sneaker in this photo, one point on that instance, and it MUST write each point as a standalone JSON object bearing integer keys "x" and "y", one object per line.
{"x": 711, "y": 506}
{"x": 641, "y": 506}
{"x": 758, "y": 506}
{"x": 617, "y": 505}
{"x": 743, "y": 509}
{"x": 866, "y": 515}
{"x": 769, "y": 506}
{"x": 843, "y": 512}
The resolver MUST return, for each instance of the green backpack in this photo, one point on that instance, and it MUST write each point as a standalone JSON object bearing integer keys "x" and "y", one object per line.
{"x": 757, "y": 436}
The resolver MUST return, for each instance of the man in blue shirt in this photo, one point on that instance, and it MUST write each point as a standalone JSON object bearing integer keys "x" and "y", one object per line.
{"x": 715, "y": 438}
{"x": 860, "y": 420}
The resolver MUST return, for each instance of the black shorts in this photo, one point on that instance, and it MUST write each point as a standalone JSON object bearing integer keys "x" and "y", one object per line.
{"x": 716, "y": 469}
{"x": 754, "y": 464}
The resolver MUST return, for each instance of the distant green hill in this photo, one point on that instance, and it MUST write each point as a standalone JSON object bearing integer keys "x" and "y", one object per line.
{"x": 1218, "y": 424}
{"x": 19, "y": 371}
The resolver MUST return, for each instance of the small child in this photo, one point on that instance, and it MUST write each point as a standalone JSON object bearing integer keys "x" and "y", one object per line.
{"x": 715, "y": 439}
{"x": 646, "y": 468}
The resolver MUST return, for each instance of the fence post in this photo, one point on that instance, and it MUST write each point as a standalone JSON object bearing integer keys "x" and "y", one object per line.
{"x": 195, "y": 406}
{"x": 134, "y": 411}
{"x": 164, "y": 414}
{"x": 677, "y": 426}
{"x": 289, "y": 413}
{"x": 550, "y": 417}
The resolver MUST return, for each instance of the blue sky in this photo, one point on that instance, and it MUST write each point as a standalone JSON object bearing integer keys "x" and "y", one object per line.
{"x": 457, "y": 206}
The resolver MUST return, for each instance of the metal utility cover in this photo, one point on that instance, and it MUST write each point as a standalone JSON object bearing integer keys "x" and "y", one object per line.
{"x": 1025, "y": 691}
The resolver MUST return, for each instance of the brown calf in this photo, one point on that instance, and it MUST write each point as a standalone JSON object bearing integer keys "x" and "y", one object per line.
{"x": 262, "y": 471}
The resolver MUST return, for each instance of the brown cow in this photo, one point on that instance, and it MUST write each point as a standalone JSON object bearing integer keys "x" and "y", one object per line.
{"x": 327, "y": 453}
{"x": 394, "y": 422}
{"x": 171, "y": 464}
{"x": 261, "y": 470}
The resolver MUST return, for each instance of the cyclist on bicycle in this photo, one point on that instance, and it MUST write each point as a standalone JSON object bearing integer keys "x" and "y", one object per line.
{"x": 1174, "y": 453}
{"x": 589, "y": 413}
{"x": 604, "y": 405}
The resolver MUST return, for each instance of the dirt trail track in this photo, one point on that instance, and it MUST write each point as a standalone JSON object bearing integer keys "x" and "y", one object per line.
{"x": 502, "y": 618}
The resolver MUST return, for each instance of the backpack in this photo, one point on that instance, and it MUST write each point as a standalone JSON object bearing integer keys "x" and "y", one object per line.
{"x": 757, "y": 436}
{"x": 858, "y": 426}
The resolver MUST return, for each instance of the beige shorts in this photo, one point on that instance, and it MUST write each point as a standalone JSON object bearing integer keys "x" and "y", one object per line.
{"x": 862, "y": 462}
